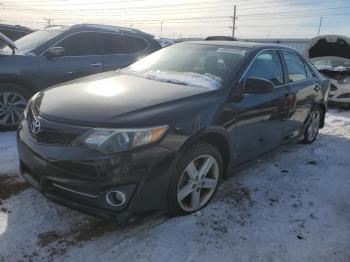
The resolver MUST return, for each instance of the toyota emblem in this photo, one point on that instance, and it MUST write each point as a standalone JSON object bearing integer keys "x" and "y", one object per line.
{"x": 35, "y": 126}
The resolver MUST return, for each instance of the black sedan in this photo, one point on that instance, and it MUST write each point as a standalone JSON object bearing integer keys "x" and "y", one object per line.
{"x": 62, "y": 53}
{"x": 14, "y": 32}
{"x": 162, "y": 134}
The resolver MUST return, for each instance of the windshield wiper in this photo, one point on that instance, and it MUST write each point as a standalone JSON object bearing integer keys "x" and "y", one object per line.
{"x": 167, "y": 80}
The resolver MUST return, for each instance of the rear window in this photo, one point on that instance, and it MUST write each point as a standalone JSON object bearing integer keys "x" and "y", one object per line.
{"x": 122, "y": 44}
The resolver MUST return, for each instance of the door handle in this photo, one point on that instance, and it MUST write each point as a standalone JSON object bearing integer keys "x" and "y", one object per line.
{"x": 96, "y": 64}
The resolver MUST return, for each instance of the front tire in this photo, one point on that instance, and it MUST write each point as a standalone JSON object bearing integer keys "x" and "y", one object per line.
{"x": 195, "y": 181}
{"x": 13, "y": 101}
{"x": 313, "y": 126}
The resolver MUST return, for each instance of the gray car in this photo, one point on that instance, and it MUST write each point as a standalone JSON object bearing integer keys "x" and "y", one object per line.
{"x": 61, "y": 53}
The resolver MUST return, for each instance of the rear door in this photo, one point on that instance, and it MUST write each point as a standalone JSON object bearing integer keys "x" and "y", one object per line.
{"x": 121, "y": 50}
{"x": 304, "y": 87}
{"x": 81, "y": 58}
{"x": 261, "y": 118}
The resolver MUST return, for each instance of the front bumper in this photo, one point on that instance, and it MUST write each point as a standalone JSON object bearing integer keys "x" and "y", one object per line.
{"x": 80, "y": 178}
{"x": 337, "y": 90}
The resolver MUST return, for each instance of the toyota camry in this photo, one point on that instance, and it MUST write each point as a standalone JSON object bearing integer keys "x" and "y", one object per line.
{"x": 160, "y": 135}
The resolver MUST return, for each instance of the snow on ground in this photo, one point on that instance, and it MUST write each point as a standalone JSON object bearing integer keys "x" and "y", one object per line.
{"x": 293, "y": 206}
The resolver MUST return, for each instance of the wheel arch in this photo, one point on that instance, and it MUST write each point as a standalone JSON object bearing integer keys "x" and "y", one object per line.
{"x": 20, "y": 82}
{"x": 218, "y": 137}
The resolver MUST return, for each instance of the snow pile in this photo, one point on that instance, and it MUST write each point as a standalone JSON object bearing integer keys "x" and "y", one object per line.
{"x": 8, "y": 153}
{"x": 293, "y": 206}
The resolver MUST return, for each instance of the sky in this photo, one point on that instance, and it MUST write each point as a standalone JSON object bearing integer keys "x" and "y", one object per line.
{"x": 189, "y": 18}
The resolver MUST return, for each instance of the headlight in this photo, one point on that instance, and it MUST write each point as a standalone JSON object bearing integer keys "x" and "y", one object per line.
{"x": 344, "y": 81}
{"x": 109, "y": 141}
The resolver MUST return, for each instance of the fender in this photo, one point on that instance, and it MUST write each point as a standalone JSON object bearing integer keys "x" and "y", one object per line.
{"x": 19, "y": 81}
{"x": 207, "y": 135}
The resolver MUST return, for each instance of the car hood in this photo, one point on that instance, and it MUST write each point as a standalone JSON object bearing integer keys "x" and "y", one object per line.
{"x": 328, "y": 45}
{"x": 99, "y": 100}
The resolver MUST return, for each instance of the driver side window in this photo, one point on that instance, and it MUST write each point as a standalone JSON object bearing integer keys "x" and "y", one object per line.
{"x": 267, "y": 65}
{"x": 80, "y": 44}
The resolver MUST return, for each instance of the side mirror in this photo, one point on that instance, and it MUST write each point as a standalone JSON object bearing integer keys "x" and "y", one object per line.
{"x": 255, "y": 85}
{"x": 55, "y": 52}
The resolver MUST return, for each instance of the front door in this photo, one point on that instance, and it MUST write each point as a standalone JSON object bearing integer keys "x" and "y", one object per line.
{"x": 81, "y": 58}
{"x": 261, "y": 118}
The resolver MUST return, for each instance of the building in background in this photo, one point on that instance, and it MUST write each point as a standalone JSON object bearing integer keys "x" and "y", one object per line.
{"x": 299, "y": 44}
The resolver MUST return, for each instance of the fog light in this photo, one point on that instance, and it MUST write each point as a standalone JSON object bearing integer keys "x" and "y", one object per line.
{"x": 115, "y": 198}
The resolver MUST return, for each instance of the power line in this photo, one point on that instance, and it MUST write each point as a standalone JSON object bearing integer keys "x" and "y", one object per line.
{"x": 172, "y": 6}
{"x": 183, "y": 20}
{"x": 275, "y": 16}
{"x": 247, "y": 15}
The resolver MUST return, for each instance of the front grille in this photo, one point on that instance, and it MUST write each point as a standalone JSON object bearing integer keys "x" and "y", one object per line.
{"x": 333, "y": 88}
{"x": 52, "y": 137}
{"x": 48, "y": 135}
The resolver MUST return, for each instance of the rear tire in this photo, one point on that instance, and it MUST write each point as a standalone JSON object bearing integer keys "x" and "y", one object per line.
{"x": 195, "y": 181}
{"x": 13, "y": 100}
{"x": 313, "y": 126}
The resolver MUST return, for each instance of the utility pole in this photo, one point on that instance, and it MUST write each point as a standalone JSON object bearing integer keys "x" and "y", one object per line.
{"x": 319, "y": 27}
{"x": 161, "y": 29}
{"x": 48, "y": 21}
{"x": 234, "y": 18}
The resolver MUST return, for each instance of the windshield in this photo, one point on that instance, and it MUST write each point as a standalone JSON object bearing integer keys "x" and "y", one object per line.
{"x": 190, "y": 64}
{"x": 36, "y": 39}
{"x": 329, "y": 61}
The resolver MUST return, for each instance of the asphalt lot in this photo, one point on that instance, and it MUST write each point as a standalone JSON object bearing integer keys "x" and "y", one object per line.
{"x": 292, "y": 206}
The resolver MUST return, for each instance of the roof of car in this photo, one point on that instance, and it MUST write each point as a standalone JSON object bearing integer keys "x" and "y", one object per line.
{"x": 111, "y": 28}
{"x": 249, "y": 45}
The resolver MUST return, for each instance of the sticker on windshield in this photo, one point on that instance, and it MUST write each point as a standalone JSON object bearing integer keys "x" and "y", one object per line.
{"x": 231, "y": 51}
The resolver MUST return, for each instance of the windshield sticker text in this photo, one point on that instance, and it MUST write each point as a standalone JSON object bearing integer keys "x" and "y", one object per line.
{"x": 231, "y": 51}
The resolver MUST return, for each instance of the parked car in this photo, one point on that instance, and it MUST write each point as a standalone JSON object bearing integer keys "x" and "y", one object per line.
{"x": 62, "y": 53}
{"x": 337, "y": 69}
{"x": 220, "y": 38}
{"x": 161, "y": 134}
{"x": 14, "y": 32}
{"x": 331, "y": 56}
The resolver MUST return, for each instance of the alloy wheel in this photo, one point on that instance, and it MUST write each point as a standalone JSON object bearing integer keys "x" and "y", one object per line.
{"x": 12, "y": 106}
{"x": 197, "y": 183}
{"x": 313, "y": 125}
